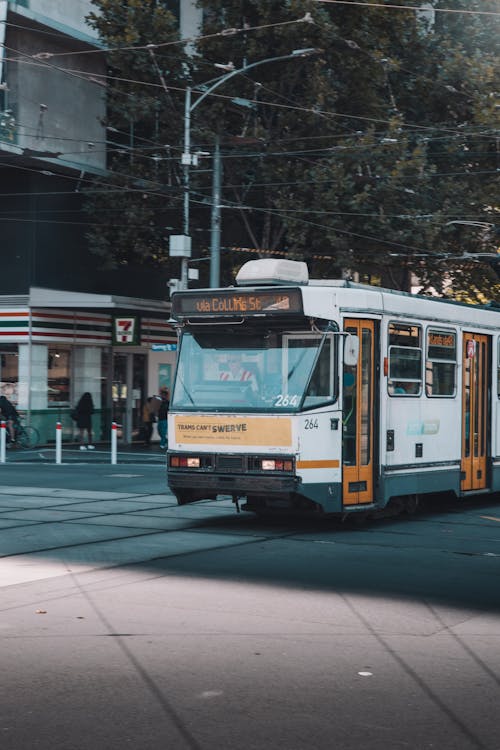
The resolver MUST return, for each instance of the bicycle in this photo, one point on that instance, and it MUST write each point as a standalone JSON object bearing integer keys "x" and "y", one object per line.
{"x": 26, "y": 436}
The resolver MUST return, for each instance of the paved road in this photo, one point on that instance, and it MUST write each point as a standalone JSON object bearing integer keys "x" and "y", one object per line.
{"x": 130, "y": 622}
{"x": 71, "y": 454}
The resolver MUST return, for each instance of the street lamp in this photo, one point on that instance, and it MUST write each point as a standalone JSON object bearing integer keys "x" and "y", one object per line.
{"x": 189, "y": 159}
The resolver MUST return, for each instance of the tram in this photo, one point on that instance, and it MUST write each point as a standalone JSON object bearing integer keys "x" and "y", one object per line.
{"x": 331, "y": 397}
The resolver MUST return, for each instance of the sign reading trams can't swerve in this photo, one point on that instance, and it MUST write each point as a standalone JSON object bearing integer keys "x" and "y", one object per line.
{"x": 233, "y": 431}
{"x": 126, "y": 331}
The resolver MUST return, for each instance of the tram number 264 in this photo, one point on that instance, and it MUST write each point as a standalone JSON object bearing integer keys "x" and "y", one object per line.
{"x": 311, "y": 424}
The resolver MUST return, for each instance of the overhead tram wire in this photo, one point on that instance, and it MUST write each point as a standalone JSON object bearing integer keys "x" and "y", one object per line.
{"x": 83, "y": 75}
{"x": 358, "y": 214}
{"x": 453, "y": 132}
{"x": 231, "y": 204}
{"x": 244, "y": 30}
{"x": 114, "y": 188}
{"x": 184, "y": 41}
{"x": 138, "y": 152}
{"x": 159, "y": 192}
{"x": 414, "y": 8}
{"x": 458, "y": 133}
{"x": 151, "y": 151}
{"x": 402, "y": 246}
{"x": 337, "y": 230}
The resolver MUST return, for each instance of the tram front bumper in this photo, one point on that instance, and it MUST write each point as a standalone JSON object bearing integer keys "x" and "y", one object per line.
{"x": 234, "y": 484}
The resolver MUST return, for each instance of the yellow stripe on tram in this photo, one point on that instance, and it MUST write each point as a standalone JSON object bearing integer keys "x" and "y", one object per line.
{"x": 327, "y": 464}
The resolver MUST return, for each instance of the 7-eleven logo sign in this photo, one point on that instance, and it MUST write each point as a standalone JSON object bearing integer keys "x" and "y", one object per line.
{"x": 125, "y": 330}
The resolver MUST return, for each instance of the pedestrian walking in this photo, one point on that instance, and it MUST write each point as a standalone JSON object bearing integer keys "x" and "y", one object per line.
{"x": 83, "y": 416}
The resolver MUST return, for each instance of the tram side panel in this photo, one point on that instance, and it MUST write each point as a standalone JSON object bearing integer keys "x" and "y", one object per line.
{"x": 318, "y": 458}
{"x": 421, "y": 446}
{"x": 420, "y": 431}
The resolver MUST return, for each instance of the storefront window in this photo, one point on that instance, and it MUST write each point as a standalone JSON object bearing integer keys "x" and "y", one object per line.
{"x": 9, "y": 371}
{"x": 58, "y": 379}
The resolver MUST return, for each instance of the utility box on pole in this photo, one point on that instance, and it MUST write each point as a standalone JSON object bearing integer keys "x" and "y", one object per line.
{"x": 179, "y": 246}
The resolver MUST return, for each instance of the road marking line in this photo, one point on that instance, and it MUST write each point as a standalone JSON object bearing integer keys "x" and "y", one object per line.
{"x": 490, "y": 518}
{"x": 124, "y": 476}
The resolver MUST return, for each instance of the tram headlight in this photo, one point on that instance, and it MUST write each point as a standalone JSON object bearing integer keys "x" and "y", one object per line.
{"x": 185, "y": 462}
{"x": 276, "y": 464}
{"x": 268, "y": 464}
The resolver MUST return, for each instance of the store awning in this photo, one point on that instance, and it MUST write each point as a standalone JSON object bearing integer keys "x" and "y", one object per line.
{"x": 57, "y": 298}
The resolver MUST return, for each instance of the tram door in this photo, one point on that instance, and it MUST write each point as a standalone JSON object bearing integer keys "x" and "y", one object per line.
{"x": 358, "y": 417}
{"x": 475, "y": 385}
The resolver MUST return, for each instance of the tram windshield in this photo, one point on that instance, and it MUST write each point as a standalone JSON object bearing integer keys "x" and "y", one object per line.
{"x": 269, "y": 371}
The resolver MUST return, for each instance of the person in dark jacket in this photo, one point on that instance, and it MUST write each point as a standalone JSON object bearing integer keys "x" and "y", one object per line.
{"x": 83, "y": 413}
{"x": 9, "y": 413}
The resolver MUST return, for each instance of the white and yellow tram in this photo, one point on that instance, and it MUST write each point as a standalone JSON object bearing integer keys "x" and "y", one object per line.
{"x": 354, "y": 397}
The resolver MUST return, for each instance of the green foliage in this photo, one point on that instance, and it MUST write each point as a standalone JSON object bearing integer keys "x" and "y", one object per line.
{"x": 356, "y": 158}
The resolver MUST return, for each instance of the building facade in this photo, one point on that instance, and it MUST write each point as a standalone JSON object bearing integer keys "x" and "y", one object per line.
{"x": 55, "y": 345}
{"x": 65, "y": 327}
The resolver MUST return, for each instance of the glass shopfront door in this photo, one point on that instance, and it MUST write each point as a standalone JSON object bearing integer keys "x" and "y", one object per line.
{"x": 128, "y": 393}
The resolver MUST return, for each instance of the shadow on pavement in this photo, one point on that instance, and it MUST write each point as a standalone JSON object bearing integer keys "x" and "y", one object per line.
{"x": 423, "y": 557}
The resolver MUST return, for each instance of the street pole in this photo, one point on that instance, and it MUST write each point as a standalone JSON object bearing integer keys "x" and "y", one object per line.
{"x": 216, "y": 222}
{"x": 188, "y": 159}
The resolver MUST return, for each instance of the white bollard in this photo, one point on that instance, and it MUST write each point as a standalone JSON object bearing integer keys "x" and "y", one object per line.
{"x": 3, "y": 440}
{"x": 58, "y": 442}
{"x": 114, "y": 441}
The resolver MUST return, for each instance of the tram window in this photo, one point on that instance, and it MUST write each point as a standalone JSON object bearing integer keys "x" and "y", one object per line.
{"x": 405, "y": 360}
{"x": 320, "y": 388}
{"x": 441, "y": 363}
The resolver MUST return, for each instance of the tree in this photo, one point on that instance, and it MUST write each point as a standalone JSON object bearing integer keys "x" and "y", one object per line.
{"x": 397, "y": 125}
{"x": 359, "y": 159}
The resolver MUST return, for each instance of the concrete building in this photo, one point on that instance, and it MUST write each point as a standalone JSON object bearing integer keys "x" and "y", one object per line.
{"x": 64, "y": 328}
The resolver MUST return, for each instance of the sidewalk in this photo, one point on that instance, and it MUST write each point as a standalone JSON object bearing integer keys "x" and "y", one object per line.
{"x": 71, "y": 453}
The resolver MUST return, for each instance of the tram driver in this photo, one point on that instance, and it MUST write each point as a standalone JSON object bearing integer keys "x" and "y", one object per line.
{"x": 238, "y": 372}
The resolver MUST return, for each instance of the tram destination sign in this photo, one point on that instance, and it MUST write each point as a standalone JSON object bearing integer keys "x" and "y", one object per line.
{"x": 231, "y": 302}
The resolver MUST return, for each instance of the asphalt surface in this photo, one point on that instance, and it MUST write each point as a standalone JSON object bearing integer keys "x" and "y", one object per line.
{"x": 127, "y": 621}
{"x": 71, "y": 453}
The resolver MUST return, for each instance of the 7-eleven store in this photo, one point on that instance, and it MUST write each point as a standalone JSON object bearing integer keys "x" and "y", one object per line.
{"x": 56, "y": 345}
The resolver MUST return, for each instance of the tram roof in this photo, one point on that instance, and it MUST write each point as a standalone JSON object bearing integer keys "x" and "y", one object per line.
{"x": 347, "y": 284}
{"x": 391, "y": 301}
{"x": 266, "y": 272}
